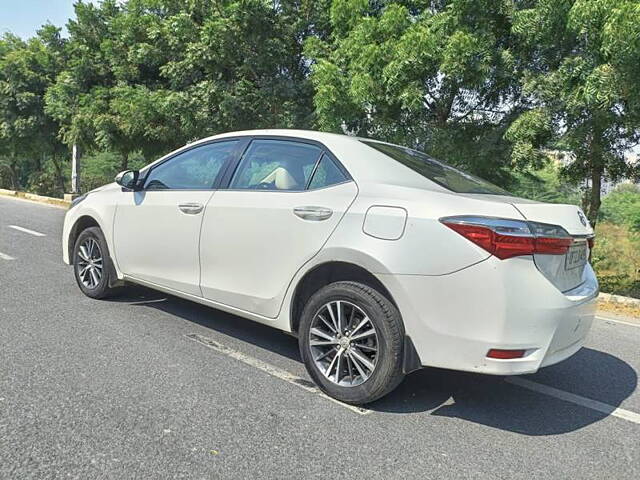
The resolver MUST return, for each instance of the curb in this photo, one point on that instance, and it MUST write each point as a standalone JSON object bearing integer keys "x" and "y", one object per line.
{"x": 59, "y": 202}
{"x": 619, "y": 299}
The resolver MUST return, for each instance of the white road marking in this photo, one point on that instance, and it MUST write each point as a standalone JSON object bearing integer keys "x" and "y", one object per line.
{"x": 271, "y": 370}
{"x": 26, "y": 230}
{"x": 576, "y": 399}
{"x": 621, "y": 322}
{"x": 4, "y": 256}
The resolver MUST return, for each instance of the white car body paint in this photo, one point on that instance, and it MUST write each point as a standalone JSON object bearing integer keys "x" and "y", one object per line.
{"x": 457, "y": 300}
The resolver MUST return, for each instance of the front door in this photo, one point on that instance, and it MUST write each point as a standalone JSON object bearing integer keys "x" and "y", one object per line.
{"x": 157, "y": 230}
{"x": 284, "y": 200}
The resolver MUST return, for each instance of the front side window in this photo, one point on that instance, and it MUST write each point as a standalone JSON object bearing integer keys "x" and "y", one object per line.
{"x": 276, "y": 165}
{"x": 195, "y": 169}
{"x": 438, "y": 172}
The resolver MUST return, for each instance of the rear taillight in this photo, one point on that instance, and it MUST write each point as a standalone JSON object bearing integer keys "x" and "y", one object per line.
{"x": 591, "y": 241}
{"x": 506, "y": 238}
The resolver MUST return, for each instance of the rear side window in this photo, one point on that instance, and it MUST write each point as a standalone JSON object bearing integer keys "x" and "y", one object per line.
{"x": 195, "y": 169}
{"x": 276, "y": 165}
{"x": 327, "y": 174}
{"x": 438, "y": 172}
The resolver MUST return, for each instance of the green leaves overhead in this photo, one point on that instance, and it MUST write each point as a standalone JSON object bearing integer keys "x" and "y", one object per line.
{"x": 439, "y": 76}
{"x": 488, "y": 85}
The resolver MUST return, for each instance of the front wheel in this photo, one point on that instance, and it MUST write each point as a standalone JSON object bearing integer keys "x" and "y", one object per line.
{"x": 351, "y": 342}
{"x": 92, "y": 264}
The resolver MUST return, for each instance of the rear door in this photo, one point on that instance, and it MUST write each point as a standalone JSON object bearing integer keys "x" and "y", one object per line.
{"x": 283, "y": 202}
{"x": 157, "y": 229}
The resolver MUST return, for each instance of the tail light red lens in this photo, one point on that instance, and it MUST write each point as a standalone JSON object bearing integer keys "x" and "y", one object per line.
{"x": 506, "y": 238}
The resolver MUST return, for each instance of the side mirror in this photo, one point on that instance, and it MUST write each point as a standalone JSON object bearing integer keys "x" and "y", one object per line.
{"x": 128, "y": 179}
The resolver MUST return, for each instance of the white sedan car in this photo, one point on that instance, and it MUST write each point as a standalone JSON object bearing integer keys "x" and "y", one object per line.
{"x": 379, "y": 258}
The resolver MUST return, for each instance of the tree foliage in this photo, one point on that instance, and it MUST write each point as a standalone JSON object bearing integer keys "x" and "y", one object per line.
{"x": 488, "y": 85}
{"x": 581, "y": 82}
{"x": 440, "y": 76}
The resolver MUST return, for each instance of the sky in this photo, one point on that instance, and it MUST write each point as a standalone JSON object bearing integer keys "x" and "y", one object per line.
{"x": 24, "y": 17}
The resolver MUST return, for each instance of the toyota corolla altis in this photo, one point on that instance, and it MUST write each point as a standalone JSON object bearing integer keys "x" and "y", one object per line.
{"x": 379, "y": 258}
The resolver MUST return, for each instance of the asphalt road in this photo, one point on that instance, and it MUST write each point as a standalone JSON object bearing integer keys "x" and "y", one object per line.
{"x": 116, "y": 389}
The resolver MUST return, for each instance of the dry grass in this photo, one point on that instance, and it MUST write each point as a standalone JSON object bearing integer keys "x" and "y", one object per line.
{"x": 629, "y": 312}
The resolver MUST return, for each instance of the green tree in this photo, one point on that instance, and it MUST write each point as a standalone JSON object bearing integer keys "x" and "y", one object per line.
{"x": 439, "y": 76}
{"x": 622, "y": 206}
{"x": 545, "y": 185}
{"x": 150, "y": 75}
{"x": 581, "y": 81}
{"x": 28, "y": 144}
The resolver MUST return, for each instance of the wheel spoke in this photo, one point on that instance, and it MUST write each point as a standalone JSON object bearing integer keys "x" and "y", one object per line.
{"x": 348, "y": 359}
{"x": 368, "y": 333}
{"x": 351, "y": 317}
{"x": 362, "y": 358}
{"x": 338, "y": 365}
{"x": 367, "y": 347}
{"x": 358, "y": 367}
{"x": 83, "y": 254}
{"x": 321, "y": 334}
{"x": 362, "y": 323}
{"x": 320, "y": 343}
{"x": 329, "y": 326}
{"x": 327, "y": 372}
{"x": 94, "y": 277}
{"x": 339, "y": 315}
{"x": 325, "y": 354}
{"x": 333, "y": 317}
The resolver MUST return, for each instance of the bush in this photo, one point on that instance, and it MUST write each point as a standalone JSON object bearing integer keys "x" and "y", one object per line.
{"x": 616, "y": 259}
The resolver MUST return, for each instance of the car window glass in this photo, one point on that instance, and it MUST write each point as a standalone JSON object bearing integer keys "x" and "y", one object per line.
{"x": 437, "y": 171}
{"x": 327, "y": 174}
{"x": 276, "y": 165}
{"x": 195, "y": 169}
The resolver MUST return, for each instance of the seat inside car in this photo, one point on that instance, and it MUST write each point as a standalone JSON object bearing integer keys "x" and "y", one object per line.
{"x": 281, "y": 179}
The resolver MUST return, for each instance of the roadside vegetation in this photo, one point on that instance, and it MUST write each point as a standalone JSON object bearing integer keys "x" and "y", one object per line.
{"x": 491, "y": 86}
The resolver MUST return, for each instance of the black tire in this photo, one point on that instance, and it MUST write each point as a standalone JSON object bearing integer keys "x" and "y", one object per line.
{"x": 102, "y": 289}
{"x": 386, "y": 319}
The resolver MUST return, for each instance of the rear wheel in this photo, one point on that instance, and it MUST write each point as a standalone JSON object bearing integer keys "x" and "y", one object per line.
{"x": 351, "y": 342}
{"x": 92, "y": 264}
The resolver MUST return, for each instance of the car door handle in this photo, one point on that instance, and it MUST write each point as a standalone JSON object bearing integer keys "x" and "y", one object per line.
{"x": 191, "y": 208}
{"x": 313, "y": 213}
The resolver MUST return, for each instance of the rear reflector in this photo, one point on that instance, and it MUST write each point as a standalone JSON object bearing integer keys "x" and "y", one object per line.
{"x": 506, "y": 238}
{"x": 505, "y": 354}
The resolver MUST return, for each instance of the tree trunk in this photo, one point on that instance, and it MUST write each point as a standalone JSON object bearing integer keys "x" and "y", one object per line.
{"x": 591, "y": 202}
{"x": 59, "y": 173}
{"x": 125, "y": 162}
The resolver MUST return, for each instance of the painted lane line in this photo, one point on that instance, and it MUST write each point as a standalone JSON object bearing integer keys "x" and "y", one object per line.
{"x": 621, "y": 322}
{"x": 4, "y": 256}
{"x": 576, "y": 399}
{"x": 271, "y": 370}
{"x": 26, "y": 230}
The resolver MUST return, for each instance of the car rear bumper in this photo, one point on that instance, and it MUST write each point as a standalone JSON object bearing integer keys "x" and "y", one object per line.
{"x": 454, "y": 320}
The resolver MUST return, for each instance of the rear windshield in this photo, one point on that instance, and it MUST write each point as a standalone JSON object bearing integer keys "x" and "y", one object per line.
{"x": 438, "y": 172}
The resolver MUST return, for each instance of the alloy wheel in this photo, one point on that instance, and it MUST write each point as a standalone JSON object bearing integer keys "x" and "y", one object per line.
{"x": 89, "y": 263}
{"x": 344, "y": 343}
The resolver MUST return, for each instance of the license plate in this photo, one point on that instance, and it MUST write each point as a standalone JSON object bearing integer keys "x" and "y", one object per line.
{"x": 576, "y": 257}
